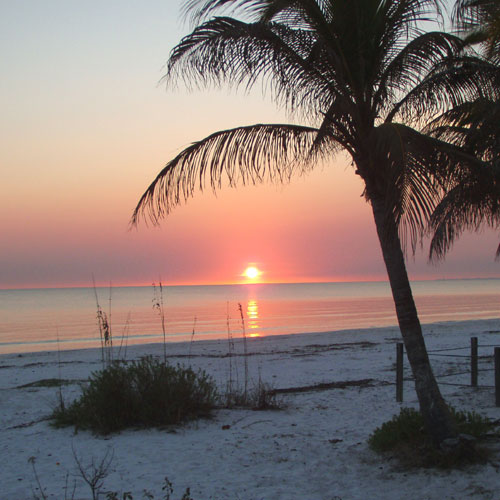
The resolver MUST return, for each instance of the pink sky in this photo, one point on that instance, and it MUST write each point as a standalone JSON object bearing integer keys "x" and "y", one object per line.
{"x": 85, "y": 129}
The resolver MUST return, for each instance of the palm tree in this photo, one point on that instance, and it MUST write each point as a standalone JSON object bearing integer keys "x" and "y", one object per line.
{"x": 366, "y": 79}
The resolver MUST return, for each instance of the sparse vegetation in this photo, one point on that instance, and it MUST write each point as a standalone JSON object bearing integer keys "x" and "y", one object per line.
{"x": 93, "y": 474}
{"x": 140, "y": 393}
{"x": 245, "y": 349}
{"x": 406, "y": 438}
{"x": 261, "y": 397}
{"x": 104, "y": 327}
{"x": 47, "y": 382}
{"x": 149, "y": 392}
{"x": 159, "y": 307}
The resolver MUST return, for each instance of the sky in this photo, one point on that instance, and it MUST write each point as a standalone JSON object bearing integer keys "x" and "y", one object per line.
{"x": 85, "y": 126}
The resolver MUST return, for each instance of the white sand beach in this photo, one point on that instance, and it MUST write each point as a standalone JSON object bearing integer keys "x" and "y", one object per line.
{"x": 313, "y": 449}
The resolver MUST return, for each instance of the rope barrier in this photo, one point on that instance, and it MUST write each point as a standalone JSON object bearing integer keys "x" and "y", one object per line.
{"x": 461, "y": 361}
{"x": 449, "y": 349}
{"x": 450, "y": 355}
{"x": 462, "y": 348}
{"x": 456, "y": 385}
{"x": 463, "y": 385}
{"x": 453, "y": 374}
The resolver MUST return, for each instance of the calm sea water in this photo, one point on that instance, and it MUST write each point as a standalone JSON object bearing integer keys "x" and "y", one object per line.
{"x": 45, "y": 319}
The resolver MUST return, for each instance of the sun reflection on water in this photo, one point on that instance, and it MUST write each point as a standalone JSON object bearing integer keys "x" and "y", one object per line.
{"x": 253, "y": 316}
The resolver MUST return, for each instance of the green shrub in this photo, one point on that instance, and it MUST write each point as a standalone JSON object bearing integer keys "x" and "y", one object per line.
{"x": 141, "y": 393}
{"x": 406, "y": 427}
{"x": 405, "y": 436}
{"x": 472, "y": 423}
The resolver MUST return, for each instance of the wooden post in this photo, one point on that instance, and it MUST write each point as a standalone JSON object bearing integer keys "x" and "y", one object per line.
{"x": 497, "y": 376}
{"x": 399, "y": 372}
{"x": 473, "y": 361}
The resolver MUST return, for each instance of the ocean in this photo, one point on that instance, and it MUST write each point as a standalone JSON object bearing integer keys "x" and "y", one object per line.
{"x": 66, "y": 318}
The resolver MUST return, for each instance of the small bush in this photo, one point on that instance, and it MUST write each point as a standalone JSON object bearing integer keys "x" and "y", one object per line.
{"x": 472, "y": 423}
{"x": 406, "y": 427}
{"x": 141, "y": 393}
{"x": 406, "y": 437}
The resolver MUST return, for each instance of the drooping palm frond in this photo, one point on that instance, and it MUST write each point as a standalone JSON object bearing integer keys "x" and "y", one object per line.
{"x": 406, "y": 68}
{"x": 241, "y": 155}
{"x": 471, "y": 205}
{"x": 450, "y": 83}
{"x": 417, "y": 170}
{"x": 226, "y": 49}
{"x": 479, "y": 21}
{"x": 344, "y": 41}
{"x": 201, "y": 10}
{"x": 474, "y": 126}
{"x": 473, "y": 202}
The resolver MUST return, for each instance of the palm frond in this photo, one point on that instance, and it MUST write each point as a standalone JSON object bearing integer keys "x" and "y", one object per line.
{"x": 413, "y": 62}
{"x": 471, "y": 204}
{"x": 416, "y": 171}
{"x": 479, "y": 22}
{"x": 474, "y": 199}
{"x": 242, "y": 155}
{"x": 285, "y": 60}
{"x": 450, "y": 83}
{"x": 474, "y": 126}
{"x": 200, "y": 11}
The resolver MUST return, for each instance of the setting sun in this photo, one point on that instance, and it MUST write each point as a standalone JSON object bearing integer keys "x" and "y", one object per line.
{"x": 251, "y": 272}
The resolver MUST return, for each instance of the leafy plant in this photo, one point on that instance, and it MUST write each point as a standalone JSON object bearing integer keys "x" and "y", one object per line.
{"x": 141, "y": 393}
{"x": 406, "y": 437}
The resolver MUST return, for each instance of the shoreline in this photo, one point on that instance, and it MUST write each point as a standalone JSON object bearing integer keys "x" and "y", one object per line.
{"x": 177, "y": 345}
{"x": 36, "y": 321}
{"x": 315, "y": 448}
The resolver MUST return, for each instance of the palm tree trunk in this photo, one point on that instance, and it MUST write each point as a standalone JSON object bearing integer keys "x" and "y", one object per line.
{"x": 437, "y": 417}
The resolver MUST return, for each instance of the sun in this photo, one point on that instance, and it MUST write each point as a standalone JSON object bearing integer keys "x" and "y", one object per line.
{"x": 251, "y": 272}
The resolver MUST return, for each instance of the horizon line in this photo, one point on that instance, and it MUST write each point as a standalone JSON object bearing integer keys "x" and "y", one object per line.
{"x": 240, "y": 283}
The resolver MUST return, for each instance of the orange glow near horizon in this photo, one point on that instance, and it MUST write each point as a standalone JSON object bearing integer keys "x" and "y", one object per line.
{"x": 77, "y": 161}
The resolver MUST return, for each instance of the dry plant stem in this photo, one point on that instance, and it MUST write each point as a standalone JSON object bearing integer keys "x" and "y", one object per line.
{"x": 66, "y": 497}
{"x": 104, "y": 329}
{"x": 32, "y": 460}
{"x": 230, "y": 349}
{"x": 95, "y": 473}
{"x": 192, "y": 338}
{"x": 158, "y": 305}
{"x": 245, "y": 350}
{"x": 110, "y": 336}
{"x": 98, "y": 320}
{"x": 61, "y": 401}
{"x": 126, "y": 329}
